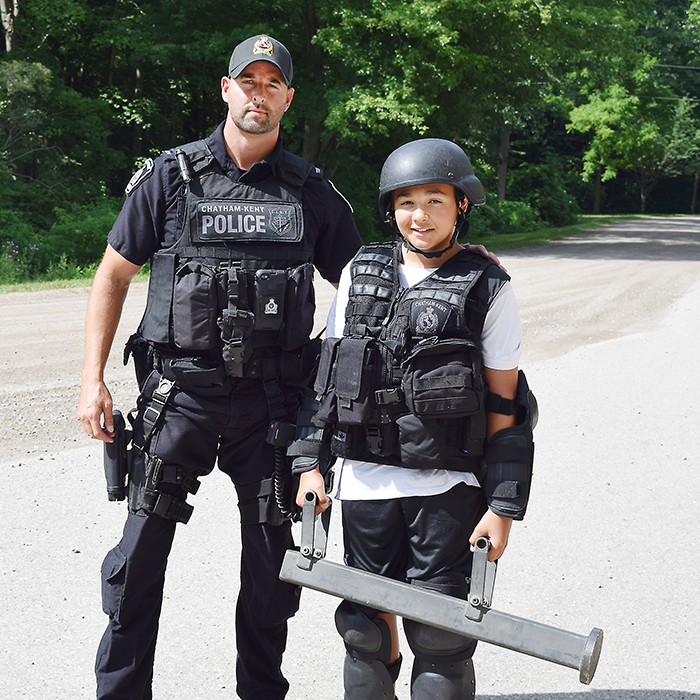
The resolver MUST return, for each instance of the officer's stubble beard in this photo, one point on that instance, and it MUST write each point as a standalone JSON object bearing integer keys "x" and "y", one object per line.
{"x": 252, "y": 125}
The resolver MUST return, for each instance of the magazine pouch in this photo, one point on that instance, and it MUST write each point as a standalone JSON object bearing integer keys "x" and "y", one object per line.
{"x": 299, "y": 307}
{"x": 356, "y": 366}
{"x": 324, "y": 384}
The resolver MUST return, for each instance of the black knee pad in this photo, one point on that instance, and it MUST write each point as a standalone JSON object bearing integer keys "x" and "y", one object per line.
{"x": 368, "y": 643}
{"x": 365, "y": 636}
{"x": 430, "y": 643}
{"x": 435, "y": 645}
{"x": 447, "y": 680}
{"x": 366, "y": 679}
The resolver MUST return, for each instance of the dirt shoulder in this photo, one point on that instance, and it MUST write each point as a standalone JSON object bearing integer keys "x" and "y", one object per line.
{"x": 592, "y": 287}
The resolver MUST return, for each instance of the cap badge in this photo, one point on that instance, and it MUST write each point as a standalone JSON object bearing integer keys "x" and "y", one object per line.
{"x": 263, "y": 45}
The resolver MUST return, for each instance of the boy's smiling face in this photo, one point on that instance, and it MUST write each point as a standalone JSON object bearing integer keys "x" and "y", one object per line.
{"x": 426, "y": 215}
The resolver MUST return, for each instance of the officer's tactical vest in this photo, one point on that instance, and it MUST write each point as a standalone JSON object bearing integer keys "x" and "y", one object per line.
{"x": 405, "y": 385}
{"x": 239, "y": 279}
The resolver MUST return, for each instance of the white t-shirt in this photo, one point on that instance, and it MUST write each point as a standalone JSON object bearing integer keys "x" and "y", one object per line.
{"x": 501, "y": 345}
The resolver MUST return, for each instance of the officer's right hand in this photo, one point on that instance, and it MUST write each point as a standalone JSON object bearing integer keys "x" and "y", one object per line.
{"x": 313, "y": 481}
{"x": 96, "y": 402}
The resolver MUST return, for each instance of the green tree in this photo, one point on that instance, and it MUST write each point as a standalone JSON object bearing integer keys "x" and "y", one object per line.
{"x": 610, "y": 117}
{"x": 124, "y": 79}
{"x": 23, "y": 87}
{"x": 652, "y": 140}
{"x": 643, "y": 120}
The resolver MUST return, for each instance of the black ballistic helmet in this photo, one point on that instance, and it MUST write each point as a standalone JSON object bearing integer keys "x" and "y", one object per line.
{"x": 424, "y": 161}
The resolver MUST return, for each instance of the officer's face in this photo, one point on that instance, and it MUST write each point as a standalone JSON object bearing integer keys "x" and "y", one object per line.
{"x": 426, "y": 215}
{"x": 257, "y": 98}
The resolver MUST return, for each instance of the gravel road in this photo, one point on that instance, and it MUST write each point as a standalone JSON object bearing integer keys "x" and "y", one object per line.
{"x": 612, "y": 328}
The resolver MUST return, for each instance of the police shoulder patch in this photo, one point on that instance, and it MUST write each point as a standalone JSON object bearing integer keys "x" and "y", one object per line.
{"x": 140, "y": 176}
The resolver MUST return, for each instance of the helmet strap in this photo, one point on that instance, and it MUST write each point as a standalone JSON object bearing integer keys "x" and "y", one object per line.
{"x": 460, "y": 229}
{"x": 432, "y": 254}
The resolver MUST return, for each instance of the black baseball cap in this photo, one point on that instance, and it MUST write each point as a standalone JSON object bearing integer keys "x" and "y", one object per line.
{"x": 261, "y": 48}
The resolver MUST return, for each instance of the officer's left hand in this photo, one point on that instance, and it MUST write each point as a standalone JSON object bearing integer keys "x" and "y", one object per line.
{"x": 313, "y": 481}
{"x": 497, "y": 529}
{"x": 482, "y": 250}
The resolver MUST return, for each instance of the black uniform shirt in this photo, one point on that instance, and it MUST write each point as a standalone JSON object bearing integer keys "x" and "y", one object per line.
{"x": 149, "y": 218}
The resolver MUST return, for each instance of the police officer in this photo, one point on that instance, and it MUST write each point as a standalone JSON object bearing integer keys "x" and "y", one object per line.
{"x": 233, "y": 226}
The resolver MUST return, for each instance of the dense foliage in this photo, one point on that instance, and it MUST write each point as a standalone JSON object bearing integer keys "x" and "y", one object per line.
{"x": 564, "y": 106}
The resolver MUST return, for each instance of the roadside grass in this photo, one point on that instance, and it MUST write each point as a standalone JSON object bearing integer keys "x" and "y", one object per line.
{"x": 504, "y": 241}
{"x": 587, "y": 222}
{"x": 84, "y": 280}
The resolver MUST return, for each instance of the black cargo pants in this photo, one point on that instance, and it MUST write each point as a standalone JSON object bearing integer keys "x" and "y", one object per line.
{"x": 193, "y": 432}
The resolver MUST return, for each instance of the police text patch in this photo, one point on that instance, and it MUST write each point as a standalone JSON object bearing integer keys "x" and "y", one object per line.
{"x": 229, "y": 220}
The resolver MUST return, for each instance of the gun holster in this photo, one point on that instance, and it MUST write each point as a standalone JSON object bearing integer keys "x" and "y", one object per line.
{"x": 116, "y": 459}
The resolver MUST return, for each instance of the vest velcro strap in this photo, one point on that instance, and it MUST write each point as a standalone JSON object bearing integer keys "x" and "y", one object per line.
{"x": 272, "y": 389}
{"x": 503, "y": 489}
{"x": 234, "y": 286}
{"x": 495, "y": 403}
{"x": 163, "y": 505}
{"x": 174, "y": 474}
{"x": 253, "y": 513}
{"x": 511, "y": 451}
{"x": 444, "y": 382}
{"x": 257, "y": 489}
{"x": 256, "y": 504}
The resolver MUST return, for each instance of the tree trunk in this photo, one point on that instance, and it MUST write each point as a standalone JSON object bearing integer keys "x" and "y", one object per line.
{"x": 138, "y": 126}
{"x": 9, "y": 9}
{"x": 598, "y": 188}
{"x": 312, "y": 140}
{"x": 311, "y": 151}
{"x": 110, "y": 67}
{"x": 695, "y": 193}
{"x": 502, "y": 169}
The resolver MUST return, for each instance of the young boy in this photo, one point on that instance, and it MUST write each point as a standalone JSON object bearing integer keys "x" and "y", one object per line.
{"x": 421, "y": 396}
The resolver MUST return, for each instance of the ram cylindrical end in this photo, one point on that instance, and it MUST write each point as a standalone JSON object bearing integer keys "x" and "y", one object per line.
{"x": 591, "y": 654}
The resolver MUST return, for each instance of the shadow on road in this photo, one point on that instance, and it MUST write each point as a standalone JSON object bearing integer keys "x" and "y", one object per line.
{"x": 640, "y": 239}
{"x": 601, "y": 695}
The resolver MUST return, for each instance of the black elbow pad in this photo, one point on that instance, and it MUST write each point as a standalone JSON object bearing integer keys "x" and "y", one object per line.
{"x": 311, "y": 446}
{"x": 307, "y": 452}
{"x": 509, "y": 457}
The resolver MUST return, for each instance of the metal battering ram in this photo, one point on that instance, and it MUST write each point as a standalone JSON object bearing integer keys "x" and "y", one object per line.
{"x": 472, "y": 618}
